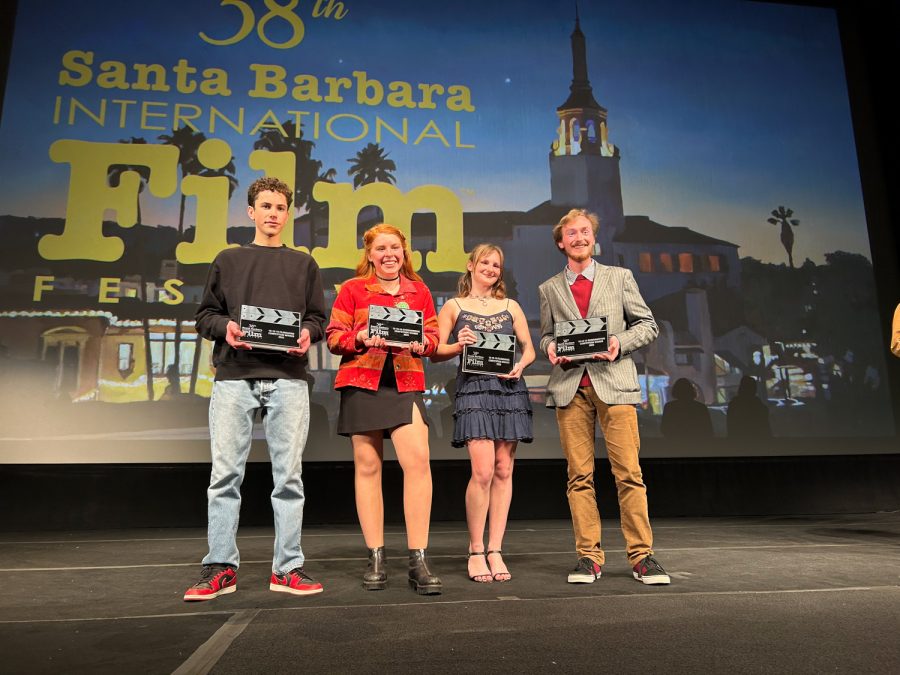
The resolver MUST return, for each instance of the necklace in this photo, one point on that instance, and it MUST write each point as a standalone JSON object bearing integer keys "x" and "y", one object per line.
{"x": 483, "y": 299}
{"x": 391, "y": 279}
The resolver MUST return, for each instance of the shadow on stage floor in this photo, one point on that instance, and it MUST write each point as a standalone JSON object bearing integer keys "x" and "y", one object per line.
{"x": 788, "y": 594}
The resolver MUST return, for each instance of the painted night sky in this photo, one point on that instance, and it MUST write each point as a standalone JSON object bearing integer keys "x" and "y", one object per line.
{"x": 721, "y": 110}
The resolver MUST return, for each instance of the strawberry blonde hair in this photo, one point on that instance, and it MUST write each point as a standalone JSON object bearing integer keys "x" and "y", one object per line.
{"x": 572, "y": 215}
{"x": 365, "y": 268}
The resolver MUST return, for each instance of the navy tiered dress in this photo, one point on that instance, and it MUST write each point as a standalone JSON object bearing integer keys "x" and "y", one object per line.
{"x": 487, "y": 406}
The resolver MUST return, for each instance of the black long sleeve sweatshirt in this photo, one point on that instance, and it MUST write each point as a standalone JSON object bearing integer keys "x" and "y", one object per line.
{"x": 278, "y": 278}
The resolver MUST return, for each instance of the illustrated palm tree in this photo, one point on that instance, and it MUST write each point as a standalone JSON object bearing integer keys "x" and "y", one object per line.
{"x": 371, "y": 165}
{"x": 228, "y": 171}
{"x": 114, "y": 177}
{"x": 188, "y": 142}
{"x": 145, "y": 324}
{"x": 114, "y": 174}
{"x": 782, "y": 216}
{"x": 307, "y": 171}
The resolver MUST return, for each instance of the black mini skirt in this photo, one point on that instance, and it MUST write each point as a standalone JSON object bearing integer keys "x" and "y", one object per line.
{"x": 365, "y": 411}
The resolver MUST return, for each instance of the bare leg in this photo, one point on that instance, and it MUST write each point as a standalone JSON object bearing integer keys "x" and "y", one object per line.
{"x": 501, "y": 498}
{"x": 411, "y": 444}
{"x": 478, "y": 495}
{"x": 368, "y": 455}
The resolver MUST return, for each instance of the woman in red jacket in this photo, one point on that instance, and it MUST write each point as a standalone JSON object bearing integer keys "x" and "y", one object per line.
{"x": 381, "y": 395}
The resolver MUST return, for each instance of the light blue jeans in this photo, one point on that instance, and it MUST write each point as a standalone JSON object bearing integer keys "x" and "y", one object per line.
{"x": 285, "y": 411}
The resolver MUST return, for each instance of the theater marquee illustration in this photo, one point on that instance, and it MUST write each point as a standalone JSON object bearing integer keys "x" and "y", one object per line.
{"x": 131, "y": 132}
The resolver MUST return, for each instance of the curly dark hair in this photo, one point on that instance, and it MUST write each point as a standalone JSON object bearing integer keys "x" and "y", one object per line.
{"x": 269, "y": 183}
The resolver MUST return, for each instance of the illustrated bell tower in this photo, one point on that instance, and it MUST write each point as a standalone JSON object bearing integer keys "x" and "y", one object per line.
{"x": 584, "y": 165}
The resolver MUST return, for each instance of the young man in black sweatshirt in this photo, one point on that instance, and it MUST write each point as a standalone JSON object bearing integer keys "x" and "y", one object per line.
{"x": 265, "y": 273}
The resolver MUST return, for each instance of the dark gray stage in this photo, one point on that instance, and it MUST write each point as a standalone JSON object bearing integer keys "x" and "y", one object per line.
{"x": 787, "y": 594}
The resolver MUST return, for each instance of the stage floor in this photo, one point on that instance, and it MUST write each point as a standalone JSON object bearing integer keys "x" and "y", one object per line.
{"x": 788, "y": 594}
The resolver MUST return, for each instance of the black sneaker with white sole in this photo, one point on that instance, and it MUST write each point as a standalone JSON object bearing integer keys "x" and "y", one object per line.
{"x": 585, "y": 572}
{"x": 649, "y": 571}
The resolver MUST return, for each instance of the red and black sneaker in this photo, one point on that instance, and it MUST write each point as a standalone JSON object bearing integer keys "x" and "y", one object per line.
{"x": 649, "y": 571}
{"x": 215, "y": 580}
{"x": 296, "y": 581}
{"x": 587, "y": 571}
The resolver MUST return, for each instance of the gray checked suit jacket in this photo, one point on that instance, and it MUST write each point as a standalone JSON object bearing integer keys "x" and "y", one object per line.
{"x": 616, "y": 296}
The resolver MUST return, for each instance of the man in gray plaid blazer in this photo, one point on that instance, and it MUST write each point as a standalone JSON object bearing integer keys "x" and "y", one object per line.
{"x": 603, "y": 388}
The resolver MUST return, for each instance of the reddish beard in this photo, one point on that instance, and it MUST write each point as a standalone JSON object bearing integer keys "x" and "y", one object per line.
{"x": 581, "y": 254}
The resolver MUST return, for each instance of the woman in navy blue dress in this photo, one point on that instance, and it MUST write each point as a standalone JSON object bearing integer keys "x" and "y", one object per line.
{"x": 492, "y": 413}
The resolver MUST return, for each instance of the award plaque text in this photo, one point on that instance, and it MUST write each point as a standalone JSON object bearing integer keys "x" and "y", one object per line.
{"x": 581, "y": 338}
{"x": 398, "y": 326}
{"x": 490, "y": 354}
{"x": 266, "y": 328}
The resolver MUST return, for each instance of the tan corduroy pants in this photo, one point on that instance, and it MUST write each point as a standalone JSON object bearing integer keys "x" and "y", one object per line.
{"x": 620, "y": 429}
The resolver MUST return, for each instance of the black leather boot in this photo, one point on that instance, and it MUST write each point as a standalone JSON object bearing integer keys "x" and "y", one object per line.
{"x": 375, "y": 578}
{"x": 420, "y": 577}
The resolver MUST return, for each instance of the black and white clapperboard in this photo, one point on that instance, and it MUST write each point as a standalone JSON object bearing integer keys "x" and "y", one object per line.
{"x": 270, "y": 328}
{"x": 582, "y": 338}
{"x": 490, "y": 354}
{"x": 398, "y": 326}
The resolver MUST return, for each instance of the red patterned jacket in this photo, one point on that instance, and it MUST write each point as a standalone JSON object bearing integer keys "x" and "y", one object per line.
{"x": 360, "y": 366}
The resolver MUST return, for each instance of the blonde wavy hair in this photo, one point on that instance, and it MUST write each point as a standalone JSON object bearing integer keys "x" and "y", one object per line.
{"x": 365, "y": 268}
{"x": 464, "y": 286}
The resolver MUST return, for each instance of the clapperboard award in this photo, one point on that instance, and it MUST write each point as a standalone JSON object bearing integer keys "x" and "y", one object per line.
{"x": 398, "y": 326}
{"x": 490, "y": 354}
{"x": 582, "y": 338}
{"x": 266, "y": 328}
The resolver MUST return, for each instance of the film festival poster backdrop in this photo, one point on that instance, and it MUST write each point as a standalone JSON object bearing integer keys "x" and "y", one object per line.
{"x": 713, "y": 138}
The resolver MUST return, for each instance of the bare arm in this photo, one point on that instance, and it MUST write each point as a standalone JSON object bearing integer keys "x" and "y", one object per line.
{"x": 446, "y": 319}
{"x": 895, "y": 338}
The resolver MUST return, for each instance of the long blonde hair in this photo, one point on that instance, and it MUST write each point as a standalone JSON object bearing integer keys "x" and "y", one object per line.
{"x": 365, "y": 268}
{"x": 464, "y": 286}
